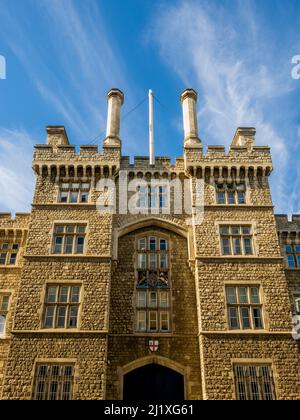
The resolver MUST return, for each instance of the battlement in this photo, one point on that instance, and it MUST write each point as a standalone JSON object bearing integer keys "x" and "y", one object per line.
{"x": 286, "y": 224}
{"x": 20, "y": 221}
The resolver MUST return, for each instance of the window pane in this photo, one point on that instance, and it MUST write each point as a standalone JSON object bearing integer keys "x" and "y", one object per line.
{"x": 254, "y": 295}
{"x": 142, "y": 261}
{"x": 142, "y": 299}
{"x": 2, "y": 324}
{"x": 152, "y": 244}
{"x": 231, "y": 295}
{"x": 241, "y": 197}
{"x": 245, "y": 317}
{"x": 63, "y": 294}
{"x": 164, "y": 321}
{"x": 152, "y": 321}
{"x": 49, "y": 316}
{"x": 51, "y": 294}
{"x": 141, "y": 321}
{"x": 224, "y": 230}
{"x": 70, "y": 229}
{"x": 248, "y": 246}
{"x": 297, "y": 304}
{"x": 73, "y": 315}
{"x": 298, "y": 260}
{"x": 84, "y": 197}
{"x": 226, "y": 246}
{"x": 65, "y": 186}
{"x": 288, "y": 248}
{"x": 58, "y": 244}
{"x": 3, "y": 259}
{"x": 257, "y": 318}
{"x": 74, "y": 197}
{"x": 75, "y": 186}
{"x": 237, "y": 246}
{"x": 80, "y": 245}
{"x": 85, "y": 186}
{"x": 297, "y": 249}
{"x": 235, "y": 230}
{"x": 4, "y": 303}
{"x": 4, "y": 246}
{"x": 231, "y": 197}
{"x": 291, "y": 261}
{"x": 243, "y": 294}
{"x": 81, "y": 229}
{"x": 233, "y": 318}
{"x": 246, "y": 230}
{"x": 15, "y": 247}
{"x": 69, "y": 245}
{"x": 61, "y": 316}
{"x": 153, "y": 261}
{"x": 163, "y": 261}
{"x": 153, "y": 299}
{"x": 75, "y": 294}
{"x": 142, "y": 244}
{"x": 13, "y": 259}
{"x": 59, "y": 229}
{"x": 164, "y": 299}
{"x": 162, "y": 244}
{"x": 63, "y": 197}
{"x": 221, "y": 198}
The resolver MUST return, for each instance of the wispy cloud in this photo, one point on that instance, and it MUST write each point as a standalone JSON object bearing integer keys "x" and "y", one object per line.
{"x": 230, "y": 60}
{"x": 16, "y": 176}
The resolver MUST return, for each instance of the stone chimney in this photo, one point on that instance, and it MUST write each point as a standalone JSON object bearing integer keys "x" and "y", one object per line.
{"x": 244, "y": 137}
{"x": 188, "y": 101}
{"x": 57, "y": 136}
{"x": 115, "y": 100}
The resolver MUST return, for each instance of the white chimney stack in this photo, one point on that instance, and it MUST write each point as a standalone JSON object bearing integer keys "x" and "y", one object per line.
{"x": 115, "y": 100}
{"x": 188, "y": 101}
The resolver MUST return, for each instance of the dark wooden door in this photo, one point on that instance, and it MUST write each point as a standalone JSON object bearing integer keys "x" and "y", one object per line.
{"x": 153, "y": 383}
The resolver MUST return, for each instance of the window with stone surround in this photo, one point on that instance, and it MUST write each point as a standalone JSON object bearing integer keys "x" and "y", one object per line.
{"x": 231, "y": 194}
{"x": 236, "y": 240}
{"x": 4, "y": 306}
{"x": 153, "y": 295}
{"x": 254, "y": 382}
{"x": 292, "y": 255}
{"x": 74, "y": 192}
{"x": 297, "y": 303}
{"x": 244, "y": 308}
{"x": 8, "y": 253}
{"x": 69, "y": 239}
{"x": 53, "y": 382}
{"x": 153, "y": 197}
{"x": 61, "y": 307}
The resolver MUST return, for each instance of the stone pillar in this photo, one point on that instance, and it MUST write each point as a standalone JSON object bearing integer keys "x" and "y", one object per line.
{"x": 57, "y": 136}
{"x": 188, "y": 101}
{"x": 115, "y": 100}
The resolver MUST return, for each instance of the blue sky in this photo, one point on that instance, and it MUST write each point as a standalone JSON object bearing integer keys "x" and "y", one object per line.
{"x": 62, "y": 56}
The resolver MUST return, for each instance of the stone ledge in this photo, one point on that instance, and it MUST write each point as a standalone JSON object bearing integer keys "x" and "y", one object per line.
{"x": 68, "y": 257}
{"x": 59, "y": 332}
{"x": 238, "y": 333}
{"x": 236, "y": 259}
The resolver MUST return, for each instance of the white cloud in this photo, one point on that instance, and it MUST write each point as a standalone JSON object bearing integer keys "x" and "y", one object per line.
{"x": 16, "y": 175}
{"x": 228, "y": 59}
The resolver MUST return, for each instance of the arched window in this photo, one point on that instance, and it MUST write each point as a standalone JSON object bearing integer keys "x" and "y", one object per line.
{"x": 153, "y": 299}
{"x": 297, "y": 304}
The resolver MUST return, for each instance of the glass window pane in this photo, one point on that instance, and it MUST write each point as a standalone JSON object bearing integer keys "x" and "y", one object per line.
{"x": 51, "y": 294}
{"x": 153, "y": 261}
{"x": 288, "y": 249}
{"x": 291, "y": 261}
{"x": 63, "y": 197}
{"x": 231, "y": 295}
{"x": 65, "y": 186}
{"x": 69, "y": 245}
{"x": 152, "y": 244}
{"x": 74, "y": 197}
{"x": 3, "y": 259}
{"x": 237, "y": 246}
{"x": 73, "y": 316}
{"x": 297, "y": 304}
{"x": 75, "y": 186}
{"x": 142, "y": 263}
{"x": 224, "y": 230}
{"x": 245, "y": 317}
{"x": 257, "y": 318}
{"x": 4, "y": 246}
{"x": 243, "y": 294}
{"x": 59, "y": 229}
{"x": 49, "y": 316}
{"x": 297, "y": 249}
{"x": 241, "y": 197}
{"x": 142, "y": 299}
{"x": 246, "y": 230}
{"x": 221, "y": 198}
{"x": 58, "y": 244}
{"x": 141, "y": 321}
{"x": 235, "y": 230}
{"x": 233, "y": 318}
{"x": 85, "y": 186}
{"x": 248, "y": 246}
{"x": 298, "y": 260}
{"x": 13, "y": 259}
{"x": 2, "y": 324}
{"x": 163, "y": 261}
{"x": 80, "y": 245}
{"x": 4, "y": 303}
{"x": 153, "y": 299}
{"x": 226, "y": 249}
{"x": 81, "y": 229}
{"x": 75, "y": 294}
{"x": 63, "y": 294}
{"x": 152, "y": 321}
{"x": 164, "y": 299}
{"x": 162, "y": 244}
{"x": 231, "y": 197}
{"x": 254, "y": 295}
{"x": 164, "y": 321}
{"x": 84, "y": 197}
{"x": 142, "y": 244}
{"x": 70, "y": 229}
{"x": 61, "y": 316}
{"x": 15, "y": 247}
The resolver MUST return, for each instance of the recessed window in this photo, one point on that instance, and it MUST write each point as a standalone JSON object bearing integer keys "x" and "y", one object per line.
{"x": 292, "y": 254}
{"x": 74, "y": 193}
{"x": 236, "y": 240}
{"x": 244, "y": 308}
{"x": 155, "y": 197}
{"x": 4, "y": 305}
{"x": 53, "y": 382}
{"x": 254, "y": 382}
{"x": 9, "y": 253}
{"x": 69, "y": 239}
{"x": 231, "y": 194}
{"x": 61, "y": 306}
{"x": 297, "y": 304}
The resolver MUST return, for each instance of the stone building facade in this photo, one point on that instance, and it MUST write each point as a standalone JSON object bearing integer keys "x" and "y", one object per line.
{"x": 156, "y": 303}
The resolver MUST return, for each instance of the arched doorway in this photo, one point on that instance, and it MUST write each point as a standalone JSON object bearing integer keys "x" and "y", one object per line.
{"x": 153, "y": 382}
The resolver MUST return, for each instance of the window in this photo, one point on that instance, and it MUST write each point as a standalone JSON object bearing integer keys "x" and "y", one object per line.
{"x": 244, "y": 307}
{"x": 297, "y": 304}
{"x": 61, "y": 307}
{"x": 4, "y": 304}
{"x": 153, "y": 289}
{"x": 231, "y": 193}
{"x": 152, "y": 196}
{"x": 8, "y": 253}
{"x": 292, "y": 253}
{"x": 69, "y": 239}
{"x": 254, "y": 382}
{"x": 236, "y": 240}
{"x": 74, "y": 192}
{"x": 53, "y": 382}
